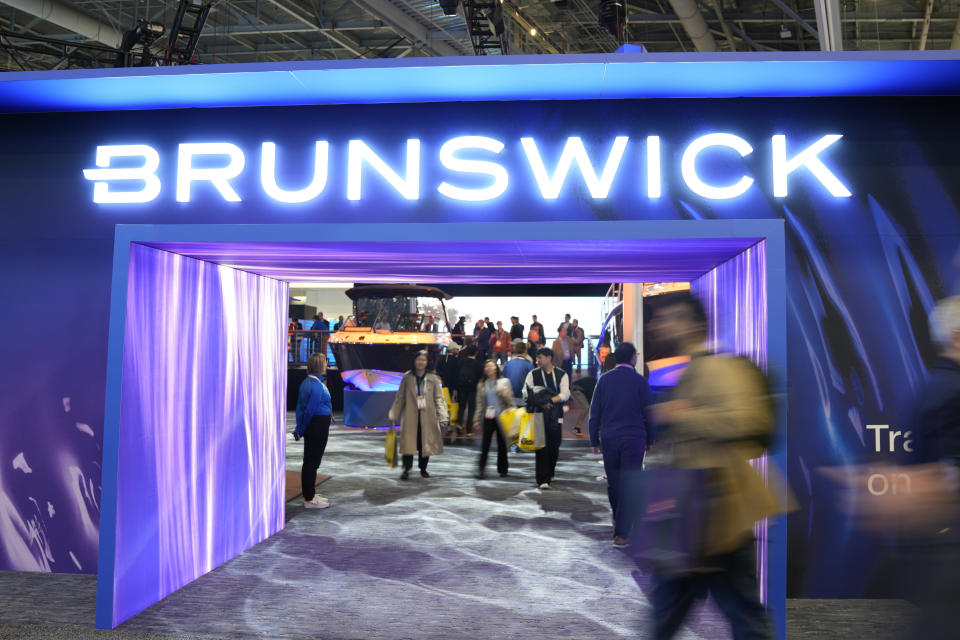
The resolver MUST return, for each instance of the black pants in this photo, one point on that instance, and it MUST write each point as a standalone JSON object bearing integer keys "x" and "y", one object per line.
{"x": 314, "y": 444}
{"x": 623, "y": 463}
{"x": 733, "y": 587}
{"x": 491, "y": 427}
{"x": 546, "y": 457}
{"x": 421, "y": 461}
{"x": 467, "y": 397}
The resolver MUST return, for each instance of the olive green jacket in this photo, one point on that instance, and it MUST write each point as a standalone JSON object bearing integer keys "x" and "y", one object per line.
{"x": 729, "y": 413}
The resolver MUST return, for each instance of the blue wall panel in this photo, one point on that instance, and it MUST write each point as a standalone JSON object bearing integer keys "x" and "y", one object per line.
{"x": 861, "y": 272}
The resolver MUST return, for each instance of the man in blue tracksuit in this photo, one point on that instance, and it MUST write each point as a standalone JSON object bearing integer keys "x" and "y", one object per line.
{"x": 620, "y": 424}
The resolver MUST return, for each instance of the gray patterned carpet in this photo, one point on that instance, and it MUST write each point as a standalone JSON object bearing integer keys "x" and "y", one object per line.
{"x": 438, "y": 558}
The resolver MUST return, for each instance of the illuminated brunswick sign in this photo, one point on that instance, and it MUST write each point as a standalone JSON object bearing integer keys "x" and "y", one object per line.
{"x": 128, "y": 173}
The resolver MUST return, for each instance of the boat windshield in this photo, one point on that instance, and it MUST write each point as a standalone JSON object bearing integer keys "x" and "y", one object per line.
{"x": 401, "y": 314}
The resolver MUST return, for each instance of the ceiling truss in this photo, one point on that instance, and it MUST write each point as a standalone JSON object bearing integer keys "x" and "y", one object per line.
{"x": 57, "y": 34}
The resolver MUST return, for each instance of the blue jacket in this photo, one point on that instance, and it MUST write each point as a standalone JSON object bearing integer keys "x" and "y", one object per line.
{"x": 314, "y": 400}
{"x": 621, "y": 407}
{"x": 320, "y": 325}
{"x": 516, "y": 371}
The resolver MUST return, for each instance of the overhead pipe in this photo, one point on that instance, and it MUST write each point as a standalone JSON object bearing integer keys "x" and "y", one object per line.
{"x": 70, "y": 19}
{"x": 694, "y": 24}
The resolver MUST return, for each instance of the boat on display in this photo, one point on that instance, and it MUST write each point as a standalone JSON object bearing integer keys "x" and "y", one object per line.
{"x": 389, "y": 326}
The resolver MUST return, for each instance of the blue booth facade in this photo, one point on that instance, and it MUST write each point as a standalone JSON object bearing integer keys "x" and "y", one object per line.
{"x": 842, "y": 165}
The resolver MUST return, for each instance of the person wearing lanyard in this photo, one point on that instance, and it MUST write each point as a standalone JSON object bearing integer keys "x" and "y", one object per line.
{"x": 313, "y": 425}
{"x": 494, "y": 396}
{"x": 422, "y": 412}
{"x": 557, "y": 381}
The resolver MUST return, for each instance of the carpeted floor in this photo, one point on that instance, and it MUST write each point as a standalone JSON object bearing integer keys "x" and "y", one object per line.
{"x": 438, "y": 558}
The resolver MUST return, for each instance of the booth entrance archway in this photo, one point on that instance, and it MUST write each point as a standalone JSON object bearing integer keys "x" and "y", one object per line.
{"x": 196, "y": 382}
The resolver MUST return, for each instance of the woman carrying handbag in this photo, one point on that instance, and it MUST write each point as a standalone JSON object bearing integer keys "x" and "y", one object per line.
{"x": 422, "y": 412}
{"x": 494, "y": 396}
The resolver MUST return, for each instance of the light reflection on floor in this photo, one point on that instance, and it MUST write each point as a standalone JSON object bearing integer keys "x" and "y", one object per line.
{"x": 444, "y": 557}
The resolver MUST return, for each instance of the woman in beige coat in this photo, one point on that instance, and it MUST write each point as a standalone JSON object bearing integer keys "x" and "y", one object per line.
{"x": 422, "y": 412}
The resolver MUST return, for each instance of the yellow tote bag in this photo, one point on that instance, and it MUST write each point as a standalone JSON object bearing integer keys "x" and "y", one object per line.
{"x": 511, "y": 422}
{"x": 532, "y": 435}
{"x": 390, "y": 447}
{"x": 453, "y": 408}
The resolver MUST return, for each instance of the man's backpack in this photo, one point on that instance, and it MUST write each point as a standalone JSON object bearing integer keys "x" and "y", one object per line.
{"x": 468, "y": 376}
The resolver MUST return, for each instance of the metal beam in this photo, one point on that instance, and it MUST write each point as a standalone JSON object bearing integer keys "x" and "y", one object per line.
{"x": 530, "y": 27}
{"x": 750, "y": 41}
{"x": 828, "y": 24}
{"x": 761, "y": 18}
{"x": 405, "y": 26}
{"x": 345, "y": 40}
{"x": 293, "y": 27}
{"x": 299, "y": 27}
{"x": 718, "y": 10}
{"x": 64, "y": 60}
{"x": 282, "y": 49}
{"x": 67, "y": 17}
{"x": 432, "y": 22}
{"x": 787, "y": 9}
{"x": 673, "y": 28}
{"x": 58, "y": 41}
{"x": 928, "y": 12}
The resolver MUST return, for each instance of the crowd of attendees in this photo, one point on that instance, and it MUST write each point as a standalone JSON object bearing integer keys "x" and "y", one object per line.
{"x": 491, "y": 340}
{"x": 717, "y": 418}
{"x": 482, "y": 373}
{"x": 497, "y": 342}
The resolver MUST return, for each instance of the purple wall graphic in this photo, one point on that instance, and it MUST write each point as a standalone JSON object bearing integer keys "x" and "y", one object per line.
{"x": 201, "y": 457}
{"x": 50, "y": 496}
{"x": 734, "y": 295}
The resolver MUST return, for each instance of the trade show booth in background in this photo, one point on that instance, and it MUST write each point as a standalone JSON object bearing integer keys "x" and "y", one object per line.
{"x": 154, "y": 228}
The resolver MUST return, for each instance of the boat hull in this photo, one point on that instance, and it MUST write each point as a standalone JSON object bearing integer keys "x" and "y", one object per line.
{"x": 366, "y": 360}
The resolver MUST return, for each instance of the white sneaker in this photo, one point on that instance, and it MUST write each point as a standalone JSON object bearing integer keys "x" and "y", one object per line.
{"x": 316, "y": 503}
{"x": 322, "y": 498}
{"x": 545, "y": 485}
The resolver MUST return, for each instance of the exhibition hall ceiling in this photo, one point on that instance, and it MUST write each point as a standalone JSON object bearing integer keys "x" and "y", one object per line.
{"x": 507, "y": 261}
{"x": 57, "y": 34}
